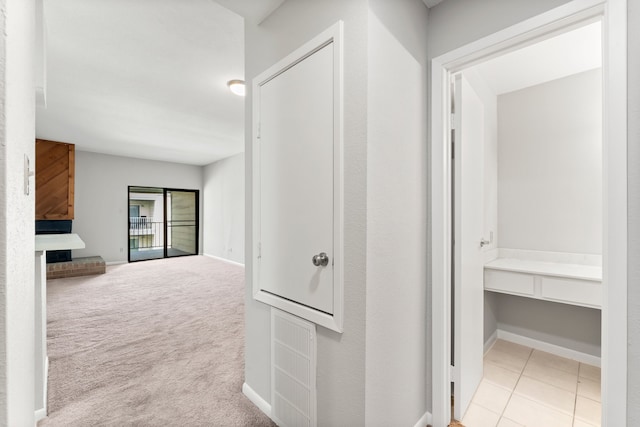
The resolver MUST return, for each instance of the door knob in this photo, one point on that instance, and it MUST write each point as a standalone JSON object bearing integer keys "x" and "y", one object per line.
{"x": 484, "y": 242}
{"x": 321, "y": 259}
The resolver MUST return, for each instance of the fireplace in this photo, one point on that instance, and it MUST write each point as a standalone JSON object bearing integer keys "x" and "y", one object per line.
{"x": 62, "y": 226}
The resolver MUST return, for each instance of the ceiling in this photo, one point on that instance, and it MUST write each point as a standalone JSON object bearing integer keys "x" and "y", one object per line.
{"x": 146, "y": 79}
{"x": 554, "y": 58}
{"x": 431, "y": 3}
{"x": 128, "y": 79}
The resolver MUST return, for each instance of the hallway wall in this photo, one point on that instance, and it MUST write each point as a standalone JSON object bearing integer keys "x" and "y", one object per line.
{"x": 455, "y": 23}
{"x": 17, "y": 213}
{"x": 374, "y": 373}
{"x": 633, "y": 298}
{"x": 341, "y": 357}
{"x": 396, "y": 323}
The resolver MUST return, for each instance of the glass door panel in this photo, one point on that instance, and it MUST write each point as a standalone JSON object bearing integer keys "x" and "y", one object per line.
{"x": 146, "y": 223}
{"x": 182, "y": 222}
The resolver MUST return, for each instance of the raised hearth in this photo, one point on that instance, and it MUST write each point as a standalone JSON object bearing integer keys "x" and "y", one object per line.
{"x": 86, "y": 266}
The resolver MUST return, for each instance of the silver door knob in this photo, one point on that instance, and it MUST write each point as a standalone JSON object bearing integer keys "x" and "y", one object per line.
{"x": 321, "y": 259}
{"x": 484, "y": 242}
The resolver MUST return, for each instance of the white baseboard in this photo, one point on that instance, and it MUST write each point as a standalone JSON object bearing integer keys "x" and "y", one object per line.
{"x": 424, "y": 420}
{"x": 256, "y": 399}
{"x": 46, "y": 382}
{"x": 492, "y": 339}
{"x": 42, "y": 412}
{"x": 115, "y": 262}
{"x": 549, "y": 348}
{"x": 224, "y": 260}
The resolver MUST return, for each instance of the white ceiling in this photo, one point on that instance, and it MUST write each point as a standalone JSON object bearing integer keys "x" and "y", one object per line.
{"x": 557, "y": 57}
{"x": 252, "y": 10}
{"x": 146, "y": 79}
{"x": 431, "y": 3}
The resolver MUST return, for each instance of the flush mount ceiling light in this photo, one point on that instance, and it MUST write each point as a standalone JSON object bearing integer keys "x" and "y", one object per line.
{"x": 236, "y": 86}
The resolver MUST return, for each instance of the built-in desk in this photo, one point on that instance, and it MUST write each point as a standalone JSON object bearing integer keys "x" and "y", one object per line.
{"x": 44, "y": 243}
{"x": 564, "y": 282}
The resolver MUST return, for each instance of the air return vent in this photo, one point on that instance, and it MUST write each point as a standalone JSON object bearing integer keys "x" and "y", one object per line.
{"x": 293, "y": 370}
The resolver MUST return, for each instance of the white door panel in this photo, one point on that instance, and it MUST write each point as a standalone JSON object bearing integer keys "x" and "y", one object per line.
{"x": 468, "y": 226}
{"x": 296, "y": 181}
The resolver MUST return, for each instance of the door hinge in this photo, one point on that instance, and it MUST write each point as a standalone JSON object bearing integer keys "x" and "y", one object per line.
{"x": 259, "y": 250}
{"x": 453, "y": 143}
{"x": 453, "y": 374}
{"x": 259, "y": 129}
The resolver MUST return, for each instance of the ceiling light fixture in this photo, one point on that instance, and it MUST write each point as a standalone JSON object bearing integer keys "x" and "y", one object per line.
{"x": 236, "y": 86}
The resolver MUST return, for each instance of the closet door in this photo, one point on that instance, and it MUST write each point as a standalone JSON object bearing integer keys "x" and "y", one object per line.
{"x": 296, "y": 182}
{"x": 297, "y": 192}
{"x": 468, "y": 292}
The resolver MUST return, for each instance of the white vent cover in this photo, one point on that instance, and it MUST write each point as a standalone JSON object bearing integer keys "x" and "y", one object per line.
{"x": 293, "y": 370}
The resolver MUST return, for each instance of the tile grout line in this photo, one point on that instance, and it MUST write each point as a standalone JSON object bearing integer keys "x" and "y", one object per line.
{"x": 558, "y": 387}
{"x": 515, "y": 385}
{"x": 521, "y": 374}
{"x": 575, "y": 402}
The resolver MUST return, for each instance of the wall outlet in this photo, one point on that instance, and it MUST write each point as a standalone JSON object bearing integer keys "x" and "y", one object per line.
{"x": 121, "y": 250}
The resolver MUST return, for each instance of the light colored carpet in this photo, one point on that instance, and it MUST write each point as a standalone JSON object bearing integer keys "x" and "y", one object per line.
{"x": 155, "y": 343}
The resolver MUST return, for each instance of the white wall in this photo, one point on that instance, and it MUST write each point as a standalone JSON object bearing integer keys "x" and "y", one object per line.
{"x": 455, "y": 23}
{"x": 396, "y": 321}
{"x": 564, "y": 325}
{"x": 385, "y": 211}
{"x": 223, "y": 220}
{"x": 490, "y": 315}
{"x": 17, "y": 124}
{"x": 633, "y": 297}
{"x": 341, "y": 357}
{"x": 550, "y": 166}
{"x": 101, "y": 198}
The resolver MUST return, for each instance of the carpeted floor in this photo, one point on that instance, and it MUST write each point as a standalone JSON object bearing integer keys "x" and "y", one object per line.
{"x": 155, "y": 343}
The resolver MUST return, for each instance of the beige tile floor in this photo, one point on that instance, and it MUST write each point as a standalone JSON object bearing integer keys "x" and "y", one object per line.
{"x": 526, "y": 387}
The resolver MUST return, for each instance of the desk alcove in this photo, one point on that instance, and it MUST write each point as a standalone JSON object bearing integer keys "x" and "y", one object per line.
{"x": 549, "y": 301}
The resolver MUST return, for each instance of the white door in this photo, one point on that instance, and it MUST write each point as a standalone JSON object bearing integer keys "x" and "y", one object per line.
{"x": 468, "y": 309}
{"x": 296, "y": 149}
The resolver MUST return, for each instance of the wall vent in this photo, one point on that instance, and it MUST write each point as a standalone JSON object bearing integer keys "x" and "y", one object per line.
{"x": 293, "y": 370}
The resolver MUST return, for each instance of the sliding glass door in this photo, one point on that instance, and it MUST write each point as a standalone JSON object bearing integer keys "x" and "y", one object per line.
{"x": 163, "y": 223}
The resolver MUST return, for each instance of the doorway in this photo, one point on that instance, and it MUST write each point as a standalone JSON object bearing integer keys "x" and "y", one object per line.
{"x": 163, "y": 223}
{"x": 444, "y": 253}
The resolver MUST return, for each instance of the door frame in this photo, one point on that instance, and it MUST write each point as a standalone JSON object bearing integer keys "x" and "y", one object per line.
{"x": 613, "y": 14}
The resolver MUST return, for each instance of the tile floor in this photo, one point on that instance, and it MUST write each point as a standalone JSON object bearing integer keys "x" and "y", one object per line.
{"x": 526, "y": 387}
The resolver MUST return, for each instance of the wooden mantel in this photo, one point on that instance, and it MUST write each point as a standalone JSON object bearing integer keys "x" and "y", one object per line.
{"x": 55, "y": 175}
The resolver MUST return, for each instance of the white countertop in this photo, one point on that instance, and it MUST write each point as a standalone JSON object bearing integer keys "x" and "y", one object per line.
{"x": 56, "y": 242}
{"x": 572, "y": 271}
